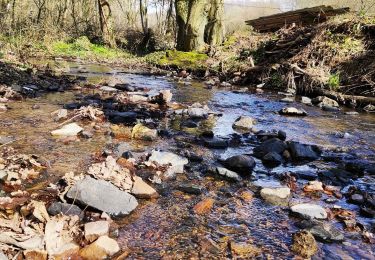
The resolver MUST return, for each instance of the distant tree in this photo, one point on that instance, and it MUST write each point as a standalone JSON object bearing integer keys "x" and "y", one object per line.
{"x": 106, "y": 23}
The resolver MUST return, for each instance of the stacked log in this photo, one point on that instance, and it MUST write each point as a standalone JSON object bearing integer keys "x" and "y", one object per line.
{"x": 300, "y": 17}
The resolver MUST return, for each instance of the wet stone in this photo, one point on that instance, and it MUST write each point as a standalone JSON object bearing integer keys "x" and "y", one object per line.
{"x": 272, "y": 159}
{"x": 189, "y": 124}
{"x": 309, "y": 211}
{"x": 301, "y": 152}
{"x": 326, "y": 233}
{"x": 306, "y": 101}
{"x": 191, "y": 189}
{"x": 216, "y": 143}
{"x": 244, "y": 123}
{"x": 322, "y": 101}
{"x": 287, "y": 100}
{"x": 276, "y": 196}
{"x": 241, "y": 164}
{"x": 273, "y": 145}
{"x": 304, "y": 244}
{"x": 306, "y": 175}
{"x": 228, "y": 174}
{"x": 292, "y": 111}
{"x": 65, "y": 209}
{"x": 356, "y": 199}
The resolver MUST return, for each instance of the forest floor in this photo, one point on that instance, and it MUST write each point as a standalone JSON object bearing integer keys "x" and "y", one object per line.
{"x": 337, "y": 55}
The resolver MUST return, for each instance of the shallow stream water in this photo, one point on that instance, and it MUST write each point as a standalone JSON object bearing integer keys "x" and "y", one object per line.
{"x": 166, "y": 228}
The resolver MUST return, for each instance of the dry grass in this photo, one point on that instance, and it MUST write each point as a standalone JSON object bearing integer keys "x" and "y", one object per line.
{"x": 335, "y": 55}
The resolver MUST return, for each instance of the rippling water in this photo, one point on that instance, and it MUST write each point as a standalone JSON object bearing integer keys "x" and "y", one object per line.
{"x": 166, "y": 228}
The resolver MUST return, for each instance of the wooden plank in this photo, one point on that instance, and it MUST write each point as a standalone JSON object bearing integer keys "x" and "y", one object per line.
{"x": 303, "y": 17}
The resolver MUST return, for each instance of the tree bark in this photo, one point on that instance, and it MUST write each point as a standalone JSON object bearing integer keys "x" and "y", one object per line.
{"x": 144, "y": 19}
{"x": 214, "y": 33}
{"x": 106, "y": 23}
{"x": 199, "y": 23}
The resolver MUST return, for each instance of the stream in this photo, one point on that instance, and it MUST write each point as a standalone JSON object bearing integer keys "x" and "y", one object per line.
{"x": 167, "y": 228}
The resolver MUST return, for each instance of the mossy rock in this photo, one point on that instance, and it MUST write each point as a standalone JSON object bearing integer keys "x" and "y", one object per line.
{"x": 184, "y": 60}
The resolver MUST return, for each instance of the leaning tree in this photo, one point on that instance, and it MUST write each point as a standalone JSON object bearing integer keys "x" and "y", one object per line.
{"x": 199, "y": 22}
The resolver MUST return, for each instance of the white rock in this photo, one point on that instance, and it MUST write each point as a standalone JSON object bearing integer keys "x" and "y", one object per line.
{"x": 102, "y": 248}
{"x": 227, "y": 173}
{"x": 96, "y": 229}
{"x": 292, "y": 111}
{"x": 60, "y": 114}
{"x": 307, "y": 210}
{"x": 3, "y": 107}
{"x": 167, "y": 95}
{"x": 245, "y": 123}
{"x": 108, "y": 89}
{"x": 287, "y": 100}
{"x": 276, "y": 196}
{"x": 314, "y": 186}
{"x": 137, "y": 98}
{"x": 58, "y": 239}
{"x": 141, "y": 189}
{"x": 306, "y": 101}
{"x": 197, "y": 112}
{"x": 176, "y": 163}
{"x": 68, "y": 130}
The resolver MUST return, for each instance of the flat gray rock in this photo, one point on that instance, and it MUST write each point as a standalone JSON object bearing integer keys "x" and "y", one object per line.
{"x": 276, "y": 196}
{"x": 228, "y": 174}
{"x": 309, "y": 211}
{"x": 103, "y": 196}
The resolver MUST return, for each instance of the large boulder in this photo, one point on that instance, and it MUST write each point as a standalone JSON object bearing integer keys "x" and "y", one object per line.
{"x": 301, "y": 152}
{"x": 241, "y": 164}
{"x": 276, "y": 196}
{"x": 102, "y": 196}
{"x": 309, "y": 211}
{"x": 273, "y": 145}
{"x": 244, "y": 123}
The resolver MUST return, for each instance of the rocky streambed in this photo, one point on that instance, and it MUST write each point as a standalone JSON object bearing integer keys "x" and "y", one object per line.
{"x": 130, "y": 166}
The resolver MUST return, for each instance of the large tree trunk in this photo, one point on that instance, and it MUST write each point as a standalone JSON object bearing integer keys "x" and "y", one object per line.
{"x": 106, "y": 23}
{"x": 195, "y": 18}
{"x": 214, "y": 33}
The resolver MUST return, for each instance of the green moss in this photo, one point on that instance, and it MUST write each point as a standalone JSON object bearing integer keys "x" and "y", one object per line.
{"x": 334, "y": 81}
{"x": 83, "y": 48}
{"x": 276, "y": 80}
{"x": 230, "y": 41}
{"x": 344, "y": 44}
{"x": 183, "y": 60}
